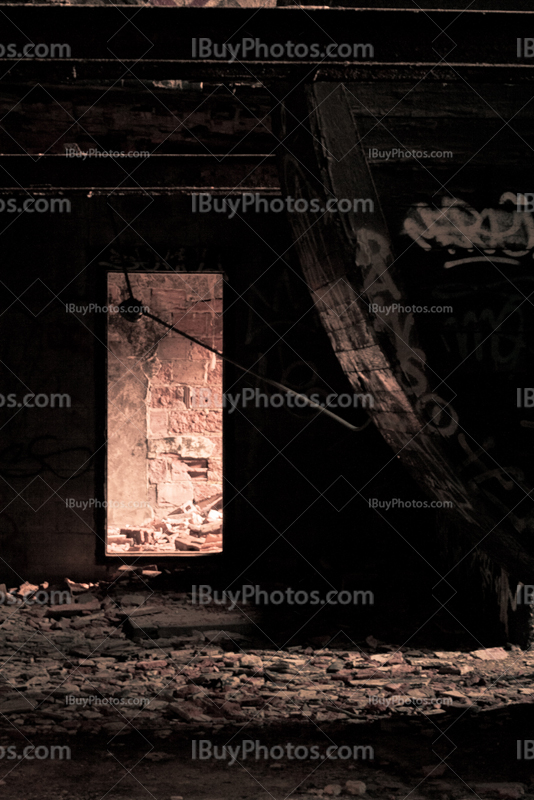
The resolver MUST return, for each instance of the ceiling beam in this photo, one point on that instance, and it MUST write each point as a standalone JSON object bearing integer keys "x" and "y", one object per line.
{"x": 158, "y": 174}
{"x": 157, "y": 43}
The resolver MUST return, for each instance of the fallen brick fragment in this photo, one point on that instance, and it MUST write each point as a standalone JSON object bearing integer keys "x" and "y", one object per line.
{"x": 356, "y": 788}
{"x": 510, "y": 791}
{"x": 490, "y": 654}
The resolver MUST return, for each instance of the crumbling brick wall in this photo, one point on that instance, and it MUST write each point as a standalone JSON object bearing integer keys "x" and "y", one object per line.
{"x": 164, "y": 397}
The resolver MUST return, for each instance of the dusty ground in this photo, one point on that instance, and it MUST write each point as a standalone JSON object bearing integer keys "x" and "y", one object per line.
{"x": 129, "y": 711}
{"x": 135, "y": 768}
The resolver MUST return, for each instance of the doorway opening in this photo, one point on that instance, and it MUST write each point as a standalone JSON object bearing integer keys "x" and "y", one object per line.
{"x": 164, "y": 416}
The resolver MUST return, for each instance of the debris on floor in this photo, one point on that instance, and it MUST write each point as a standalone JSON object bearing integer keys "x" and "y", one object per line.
{"x": 101, "y": 657}
{"x": 193, "y": 527}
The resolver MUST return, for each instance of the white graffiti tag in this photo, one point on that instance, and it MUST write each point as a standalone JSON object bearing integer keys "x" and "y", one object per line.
{"x": 456, "y": 225}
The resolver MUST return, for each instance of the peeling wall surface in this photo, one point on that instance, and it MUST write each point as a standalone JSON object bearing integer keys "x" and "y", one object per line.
{"x": 164, "y": 397}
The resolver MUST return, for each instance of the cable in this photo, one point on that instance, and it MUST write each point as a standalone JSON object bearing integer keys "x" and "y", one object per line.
{"x": 269, "y": 381}
{"x": 133, "y": 317}
{"x": 126, "y": 274}
{"x": 128, "y": 284}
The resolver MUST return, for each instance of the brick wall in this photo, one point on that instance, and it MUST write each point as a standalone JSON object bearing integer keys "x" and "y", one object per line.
{"x": 164, "y": 397}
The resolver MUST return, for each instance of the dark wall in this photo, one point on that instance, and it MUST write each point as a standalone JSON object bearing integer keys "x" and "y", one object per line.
{"x": 297, "y": 486}
{"x": 287, "y": 471}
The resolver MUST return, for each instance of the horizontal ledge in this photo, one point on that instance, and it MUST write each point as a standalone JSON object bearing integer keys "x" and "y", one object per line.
{"x": 130, "y": 175}
{"x": 91, "y": 191}
{"x": 144, "y": 38}
{"x": 98, "y": 70}
{"x": 134, "y": 9}
{"x": 219, "y": 157}
{"x": 223, "y": 65}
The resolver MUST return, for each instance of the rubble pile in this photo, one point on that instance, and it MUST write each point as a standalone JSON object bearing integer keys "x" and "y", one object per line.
{"x": 192, "y": 528}
{"x": 381, "y": 784}
{"x": 71, "y": 667}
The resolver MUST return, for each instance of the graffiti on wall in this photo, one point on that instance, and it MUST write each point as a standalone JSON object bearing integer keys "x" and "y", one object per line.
{"x": 480, "y": 468}
{"x": 502, "y": 235}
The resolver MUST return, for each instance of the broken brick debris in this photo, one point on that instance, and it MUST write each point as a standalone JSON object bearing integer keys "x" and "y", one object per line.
{"x": 193, "y": 527}
{"x": 169, "y": 663}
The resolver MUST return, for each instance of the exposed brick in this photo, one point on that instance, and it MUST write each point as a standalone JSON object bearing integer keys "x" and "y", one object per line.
{"x": 179, "y": 471}
{"x": 174, "y": 346}
{"x": 217, "y": 447}
{"x": 195, "y": 324}
{"x": 208, "y": 306}
{"x": 196, "y": 446}
{"x": 200, "y": 306}
{"x": 157, "y": 470}
{"x": 198, "y": 475}
{"x": 216, "y": 307}
{"x": 164, "y": 373}
{"x": 195, "y": 463}
{"x": 168, "y": 300}
{"x": 206, "y": 398}
{"x": 189, "y": 372}
{"x": 195, "y": 421}
{"x": 217, "y": 287}
{"x": 175, "y": 493}
{"x": 216, "y": 317}
{"x": 199, "y": 353}
{"x": 186, "y": 446}
{"x": 179, "y": 428}
{"x": 201, "y": 288}
{"x": 214, "y": 326}
{"x": 214, "y": 377}
{"x": 166, "y": 396}
{"x": 205, "y": 489}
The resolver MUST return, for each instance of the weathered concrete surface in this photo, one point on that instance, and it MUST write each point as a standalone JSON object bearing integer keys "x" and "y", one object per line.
{"x": 127, "y": 487}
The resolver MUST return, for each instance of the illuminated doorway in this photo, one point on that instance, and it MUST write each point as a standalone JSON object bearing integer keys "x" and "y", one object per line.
{"x": 164, "y": 416}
